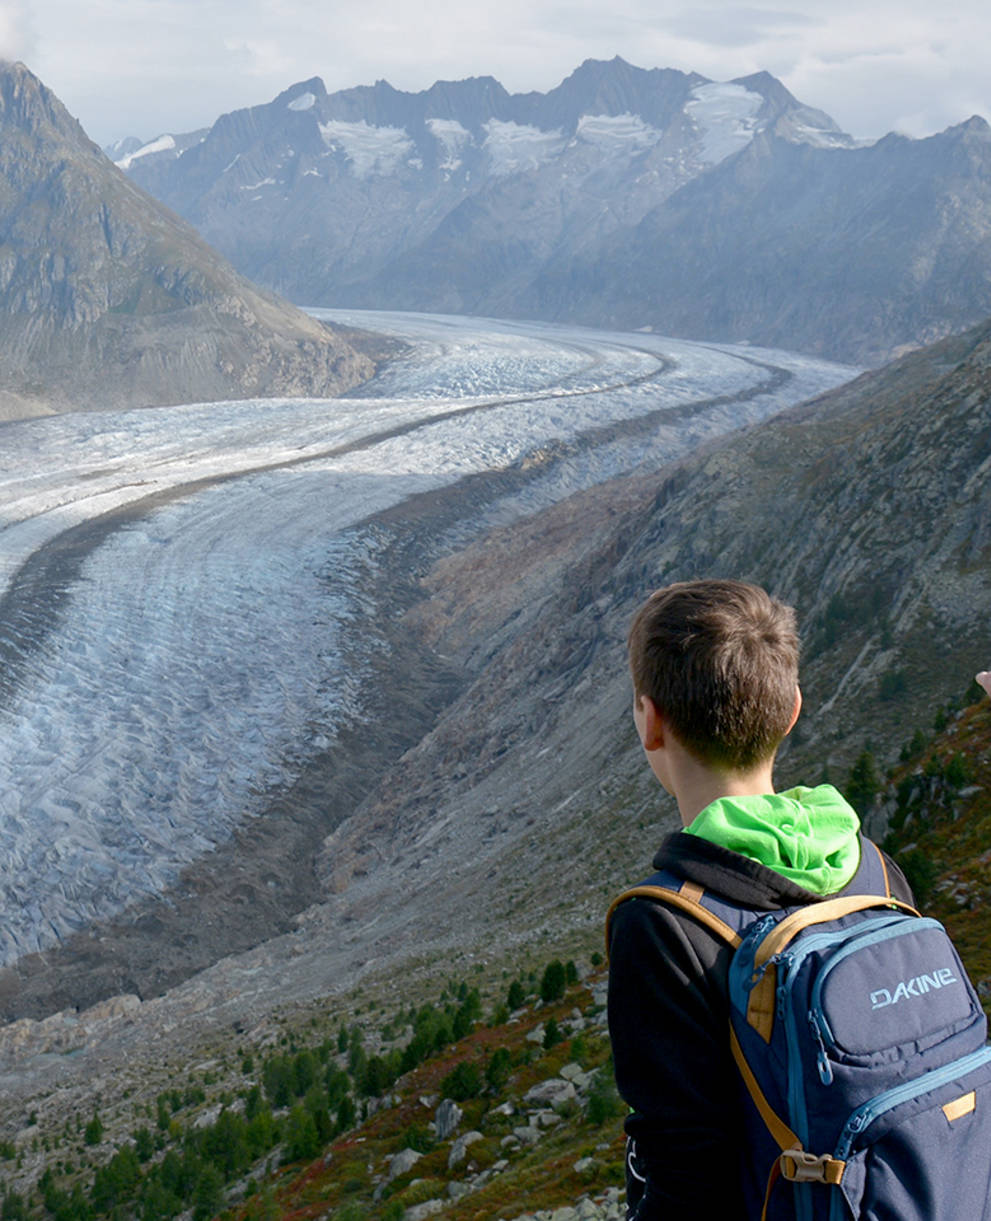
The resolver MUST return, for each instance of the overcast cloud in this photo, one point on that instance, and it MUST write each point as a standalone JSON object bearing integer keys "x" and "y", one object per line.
{"x": 141, "y": 67}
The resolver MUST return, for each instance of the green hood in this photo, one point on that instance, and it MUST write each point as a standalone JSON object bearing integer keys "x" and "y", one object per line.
{"x": 809, "y": 836}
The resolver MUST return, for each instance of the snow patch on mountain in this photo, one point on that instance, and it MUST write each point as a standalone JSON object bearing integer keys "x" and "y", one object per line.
{"x": 452, "y": 137}
{"x": 517, "y": 147}
{"x": 371, "y": 150}
{"x": 163, "y": 144}
{"x": 606, "y": 131}
{"x": 726, "y": 116}
{"x": 815, "y": 134}
{"x": 305, "y": 101}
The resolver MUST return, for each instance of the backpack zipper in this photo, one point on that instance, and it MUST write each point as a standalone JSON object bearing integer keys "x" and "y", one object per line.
{"x": 822, "y": 1059}
{"x": 874, "y": 1108}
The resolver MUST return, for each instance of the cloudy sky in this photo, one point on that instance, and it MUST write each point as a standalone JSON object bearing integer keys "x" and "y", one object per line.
{"x": 141, "y": 67}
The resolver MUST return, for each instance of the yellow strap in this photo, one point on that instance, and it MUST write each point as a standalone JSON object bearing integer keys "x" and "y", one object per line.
{"x": 784, "y": 1137}
{"x": 820, "y": 913}
{"x": 772, "y": 1178}
{"x": 884, "y": 868}
{"x": 675, "y": 898}
{"x": 762, "y": 1003}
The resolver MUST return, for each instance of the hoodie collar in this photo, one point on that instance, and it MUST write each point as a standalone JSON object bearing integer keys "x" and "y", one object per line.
{"x": 808, "y": 836}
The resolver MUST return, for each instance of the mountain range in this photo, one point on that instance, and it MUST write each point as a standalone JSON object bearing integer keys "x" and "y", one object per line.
{"x": 108, "y": 299}
{"x": 623, "y": 198}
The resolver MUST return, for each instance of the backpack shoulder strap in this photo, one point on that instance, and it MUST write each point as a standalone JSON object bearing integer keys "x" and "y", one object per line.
{"x": 687, "y": 898}
{"x": 871, "y": 875}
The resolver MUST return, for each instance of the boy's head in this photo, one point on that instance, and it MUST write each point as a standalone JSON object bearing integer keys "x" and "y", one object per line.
{"x": 719, "y": 659}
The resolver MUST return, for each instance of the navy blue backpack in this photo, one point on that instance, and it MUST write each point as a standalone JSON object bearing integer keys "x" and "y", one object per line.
{"x": 862, "y": 1046}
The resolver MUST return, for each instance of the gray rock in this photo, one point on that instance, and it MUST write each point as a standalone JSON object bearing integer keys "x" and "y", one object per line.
{"x": 527, "y": 1136}
{"x": 429, "y": 1208}
{"x": 459, "y": 1149}
{"x": 552, "y": 1092}
{"x": 403, "y": 1162}
{"x": 447, "y": 1119}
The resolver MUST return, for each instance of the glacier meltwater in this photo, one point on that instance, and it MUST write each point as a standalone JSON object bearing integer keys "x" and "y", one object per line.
{"x": 206, "y": 639}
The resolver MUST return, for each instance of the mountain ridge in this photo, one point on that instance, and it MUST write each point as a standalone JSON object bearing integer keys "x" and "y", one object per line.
{"x": 109, "y": 299}
{"x": 623, "y": 197}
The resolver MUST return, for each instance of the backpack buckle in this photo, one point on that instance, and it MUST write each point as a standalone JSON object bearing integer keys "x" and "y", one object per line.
{"x": 798, "y": 1166}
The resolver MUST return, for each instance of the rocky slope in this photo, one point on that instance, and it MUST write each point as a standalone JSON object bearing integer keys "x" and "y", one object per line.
{"x": 108, "y": 299}
{"x": 622, "y": 197}
{"x": 867, "y": 508}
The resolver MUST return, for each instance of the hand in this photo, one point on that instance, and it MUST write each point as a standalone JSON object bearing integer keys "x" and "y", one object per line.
{"x": 984, "y": 678}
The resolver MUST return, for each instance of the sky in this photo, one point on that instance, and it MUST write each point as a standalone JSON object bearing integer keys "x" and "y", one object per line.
{"x": 144, "y": 67}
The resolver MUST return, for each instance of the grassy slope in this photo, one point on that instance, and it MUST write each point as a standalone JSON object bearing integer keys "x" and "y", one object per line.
{"x": 939, "y": 805}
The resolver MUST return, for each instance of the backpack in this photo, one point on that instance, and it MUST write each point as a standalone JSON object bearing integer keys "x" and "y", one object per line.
{"x": 863, "y": 1056}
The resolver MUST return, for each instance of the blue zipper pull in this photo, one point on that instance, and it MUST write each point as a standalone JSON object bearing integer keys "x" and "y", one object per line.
{"x": 783, "y": 962}
{"x": 822, "y": 1060}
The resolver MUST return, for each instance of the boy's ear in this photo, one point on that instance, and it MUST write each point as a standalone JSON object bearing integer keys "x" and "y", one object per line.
{"x": 795, "y": 711}
{"x": 650, "y": 722}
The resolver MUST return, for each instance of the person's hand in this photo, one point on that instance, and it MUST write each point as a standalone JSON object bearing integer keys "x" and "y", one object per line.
{"x": 984, "y": 678}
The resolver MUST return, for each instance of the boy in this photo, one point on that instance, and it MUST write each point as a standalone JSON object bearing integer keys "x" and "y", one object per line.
{"x": 715, "y": 678}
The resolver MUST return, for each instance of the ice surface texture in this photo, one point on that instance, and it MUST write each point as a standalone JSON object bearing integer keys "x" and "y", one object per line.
{"x": 199, "y": 655}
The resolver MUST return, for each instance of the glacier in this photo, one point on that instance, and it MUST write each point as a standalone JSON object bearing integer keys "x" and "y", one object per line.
{"x": 209, "y": 636}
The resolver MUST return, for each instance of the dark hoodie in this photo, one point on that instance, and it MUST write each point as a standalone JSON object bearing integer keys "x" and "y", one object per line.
{"x": 668, "y": 1022}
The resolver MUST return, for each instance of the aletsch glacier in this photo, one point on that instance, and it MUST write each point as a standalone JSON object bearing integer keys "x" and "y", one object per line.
{"x": 210, "y": 643}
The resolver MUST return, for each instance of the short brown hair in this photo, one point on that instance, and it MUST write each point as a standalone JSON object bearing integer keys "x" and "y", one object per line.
{"x": 720, "y": 661}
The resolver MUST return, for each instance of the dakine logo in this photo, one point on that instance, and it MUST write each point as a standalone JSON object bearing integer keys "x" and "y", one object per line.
{"x": 918, "y": 986}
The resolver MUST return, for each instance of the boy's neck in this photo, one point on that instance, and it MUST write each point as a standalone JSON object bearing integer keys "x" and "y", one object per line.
{"x": 694, "y": 790}
{"x": 690, "y": 780}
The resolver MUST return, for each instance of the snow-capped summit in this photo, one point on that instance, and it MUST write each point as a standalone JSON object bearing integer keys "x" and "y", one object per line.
{"x": 601, "y": 149}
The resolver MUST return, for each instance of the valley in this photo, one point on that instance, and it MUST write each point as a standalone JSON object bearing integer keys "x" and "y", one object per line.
{"x": 200, "y": 603}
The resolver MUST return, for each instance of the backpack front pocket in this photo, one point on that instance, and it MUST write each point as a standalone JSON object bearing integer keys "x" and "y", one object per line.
{"x": 894, "y": 991}
{"x": 921, "y": 1151}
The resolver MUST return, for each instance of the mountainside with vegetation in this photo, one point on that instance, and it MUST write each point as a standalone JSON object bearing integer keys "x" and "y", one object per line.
{"x": 107, "y": 299}
{"x": 492, "y": 1098}
{"x": 458, "y": 1105}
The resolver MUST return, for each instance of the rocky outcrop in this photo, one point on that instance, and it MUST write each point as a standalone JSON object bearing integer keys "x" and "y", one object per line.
{"x": 107, "y": 299}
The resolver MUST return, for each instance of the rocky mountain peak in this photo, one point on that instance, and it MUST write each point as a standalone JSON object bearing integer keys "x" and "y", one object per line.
{"x": 770, "y": 87}
{"x": 29, "y": 106}
{"x": 108, "y": 298}
{"x": 314, "y": 86}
